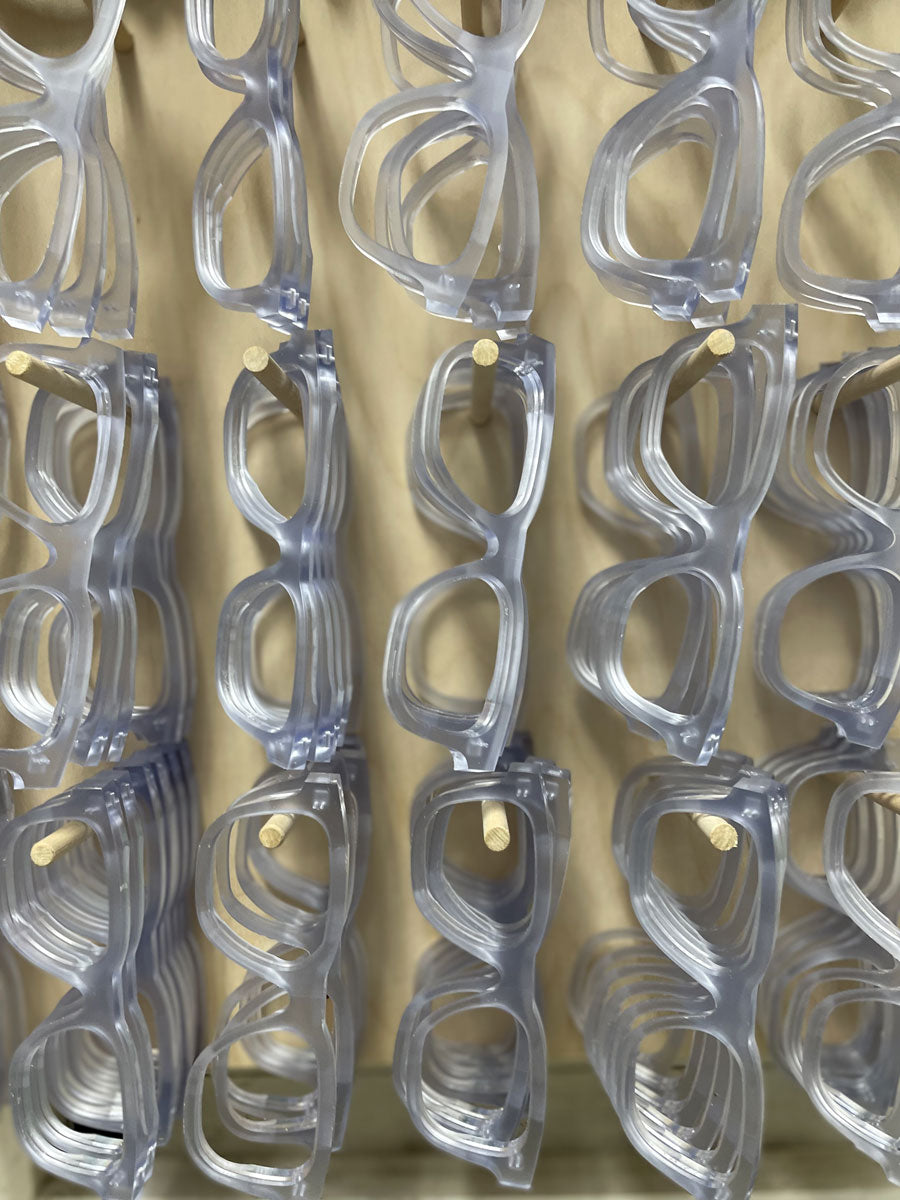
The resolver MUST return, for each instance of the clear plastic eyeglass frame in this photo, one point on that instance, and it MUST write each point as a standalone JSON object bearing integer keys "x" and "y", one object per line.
{"x": 843, "y": 956}
{"x": 92, "y": 1091}
{"x": 702, "y": 537}
{"x": 484, "y": 1103}
{"x": 825, "y": 56}
{"x": 67, "y": 121}
{"x": 169, "y": 977}
{"x": 312, "y": 725}
{"x": 155, "y": 575}
{"x": 295, "y": 940}
{"x": 475, "y": 731}
{"x": 264, "y": 121}
{"x": 592, "y": 425}
{"x": 54, "y": 431}
{"x": 278, "y": 1014}
{"x": 828, "y": 754}
{"x": 714, "y": 102}
{"x": 68, "y": 532}
{"x": 858, "y": 508}
{"x": 824, "y": 963}
{"x": 693, "y": 1107}
{"x": 131, "y": 550}
{"x": 12, "y": 991}
{"x": 474, "y": 101}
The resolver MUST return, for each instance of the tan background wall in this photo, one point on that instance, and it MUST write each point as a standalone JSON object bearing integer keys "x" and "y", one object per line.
{"x": 163, "y": 115}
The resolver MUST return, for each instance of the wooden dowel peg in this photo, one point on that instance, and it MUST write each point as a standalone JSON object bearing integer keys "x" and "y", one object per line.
{"x": 882, "y": 375}
{"x": 124, "y": 42}
{"x": 494, "y": 825}
{"x": 718, "y": 345}
{"x": 273, "y": 379}
{"x": 485, "y": 354}
{"x": 720, "y": 833}
{"x": 59, "y": 842}
{"x": 472, "y": 16}
{"x": 889, "y": 800}
{"x": 276, "y": 830}
{"x": 42, "y": 375}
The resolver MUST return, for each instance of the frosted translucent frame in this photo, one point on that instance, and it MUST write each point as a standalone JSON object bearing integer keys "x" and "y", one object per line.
{"x": 856, "y": 507}
{"x": 67, "y": 121}
{"x": 714, "y": 102}
{"x": 263, "y": 122}
{"x": 691, "y": 982}
{"x": 89, "y": 919}
{"x": 841, "y": 959}
{"x": 475, "y": 101}
{"x": 701, "y": 536}
{"x": 474, "y": 729}
{"x": 311, "y": 725}
{"x": 68, "y": 531}
{"x": 484, "y": 1104}
{"x": 824, "y": 964}
{"x": 824, "y": 55}
{"x": 293, "y": 938}
{"x": 131, "y": 551}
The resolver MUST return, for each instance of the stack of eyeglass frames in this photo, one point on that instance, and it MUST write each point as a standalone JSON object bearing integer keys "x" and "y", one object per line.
{"x": 94, "y": 882}
{"x": 853, "y": 501}
{"x": 298, "y": 1014}
{"x": 668, "y": 1016}
{"x": 109, "y": 543}
{"x": 715, "y": 101}
{"x": 824, "y": 55}
{"x": 12, "y": 1009}
{"x": 698, "y": 523}
{"x": 101, "y": 494}
{"x": 95, "y": 889}
{"x": 482, "y": 1102}
{"x": 66, "y": 120}
{"x": 830, "y": 1006}
{"x": 473, "y": 99}
{"x": 81, "y": 1100}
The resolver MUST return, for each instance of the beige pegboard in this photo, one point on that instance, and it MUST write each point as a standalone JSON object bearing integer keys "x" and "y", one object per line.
{"x": 163, "y": 115}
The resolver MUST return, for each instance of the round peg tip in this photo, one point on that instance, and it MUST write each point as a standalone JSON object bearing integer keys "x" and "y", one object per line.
{"x": 42, "y": 856}
{"x": 716, "y": 345}
{"x": 497, "y": 840}
{"x": 57, "y": 843}
{"x": 720, "y": 834}
{"x": 485, "y": 352}
{"x": 18, "y": 363}
{"x": 720, "y": 342}
{"x": 724, "y": 836}
{"x": 276, "y": 830}
{"x": 255, "y": 359}
{"x": 494, "y": 825}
